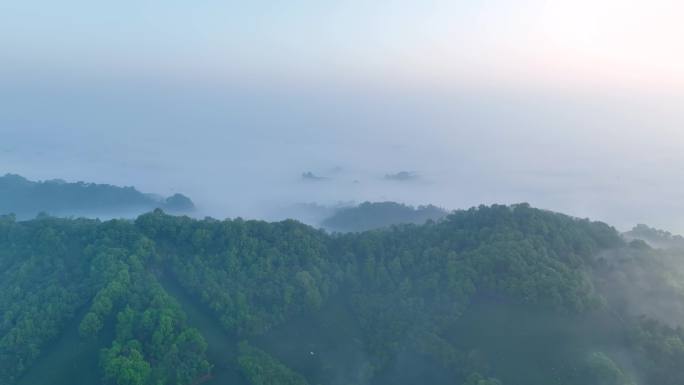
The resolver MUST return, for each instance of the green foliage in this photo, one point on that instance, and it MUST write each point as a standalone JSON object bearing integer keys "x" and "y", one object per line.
{"x": 261, "y": 369}
{"x": 166, "y": 350}
{"x": 53, "y": 267}
{"x": 125, "y": 365}
{"x": 252, "y": 274}
{"x": 603, "y": 371}
{"x": 405, "y": 291}
{"x": 662, "y": 349}
{"x": 43, "y": 281}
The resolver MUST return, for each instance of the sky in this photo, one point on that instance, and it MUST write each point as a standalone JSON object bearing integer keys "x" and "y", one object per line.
{"x": 574, "y": 106}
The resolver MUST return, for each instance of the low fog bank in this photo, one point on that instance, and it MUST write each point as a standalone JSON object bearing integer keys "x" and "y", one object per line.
{"x": 257, "y": 150}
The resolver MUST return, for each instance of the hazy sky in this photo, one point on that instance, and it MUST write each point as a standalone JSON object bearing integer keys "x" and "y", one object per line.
{"x": 575, "y": 106}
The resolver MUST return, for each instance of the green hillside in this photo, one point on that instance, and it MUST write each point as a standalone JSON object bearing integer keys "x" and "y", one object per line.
{"x": 486, "y": 296}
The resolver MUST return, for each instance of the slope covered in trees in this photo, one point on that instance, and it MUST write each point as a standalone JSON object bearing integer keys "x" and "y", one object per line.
{"x": 487, "y": 296}
{"x": 26, "y": 199}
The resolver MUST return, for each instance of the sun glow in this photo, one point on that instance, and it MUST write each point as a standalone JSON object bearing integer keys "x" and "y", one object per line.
{"x": 627, "y": 40}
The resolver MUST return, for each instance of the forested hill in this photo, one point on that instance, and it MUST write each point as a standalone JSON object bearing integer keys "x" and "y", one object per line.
{"x": 375, "y": 215}
{"x": 487, "y": 296}
{"x": 655, "y": 237}
{"x": 26, "y": 199}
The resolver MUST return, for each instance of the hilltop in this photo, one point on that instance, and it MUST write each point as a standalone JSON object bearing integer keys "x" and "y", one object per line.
{"x": 26, "y": 199}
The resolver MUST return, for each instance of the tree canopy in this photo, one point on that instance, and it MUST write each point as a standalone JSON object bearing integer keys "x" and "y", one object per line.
{"x": 488, "y": 296}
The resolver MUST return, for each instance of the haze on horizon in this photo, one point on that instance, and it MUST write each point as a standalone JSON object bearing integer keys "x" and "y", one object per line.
{"x": 571, "y": 106}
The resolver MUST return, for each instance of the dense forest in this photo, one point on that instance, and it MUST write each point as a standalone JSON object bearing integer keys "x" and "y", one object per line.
{"x": 26, "y": 199}
{"x": 492, "y": 295}
{"x": 375, "y": 215}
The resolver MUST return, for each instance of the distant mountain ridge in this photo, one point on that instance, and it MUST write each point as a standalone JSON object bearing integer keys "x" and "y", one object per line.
{"x": 26, "y": 199}
{"x": 375, "y": 215}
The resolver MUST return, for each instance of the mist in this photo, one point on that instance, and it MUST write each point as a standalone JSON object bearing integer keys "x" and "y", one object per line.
{"x": 233, "y": 103}
{"x": 240, "y": 147}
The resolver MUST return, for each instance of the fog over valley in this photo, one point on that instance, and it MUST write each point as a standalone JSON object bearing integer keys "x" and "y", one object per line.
{"x": 244, "y": 148}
